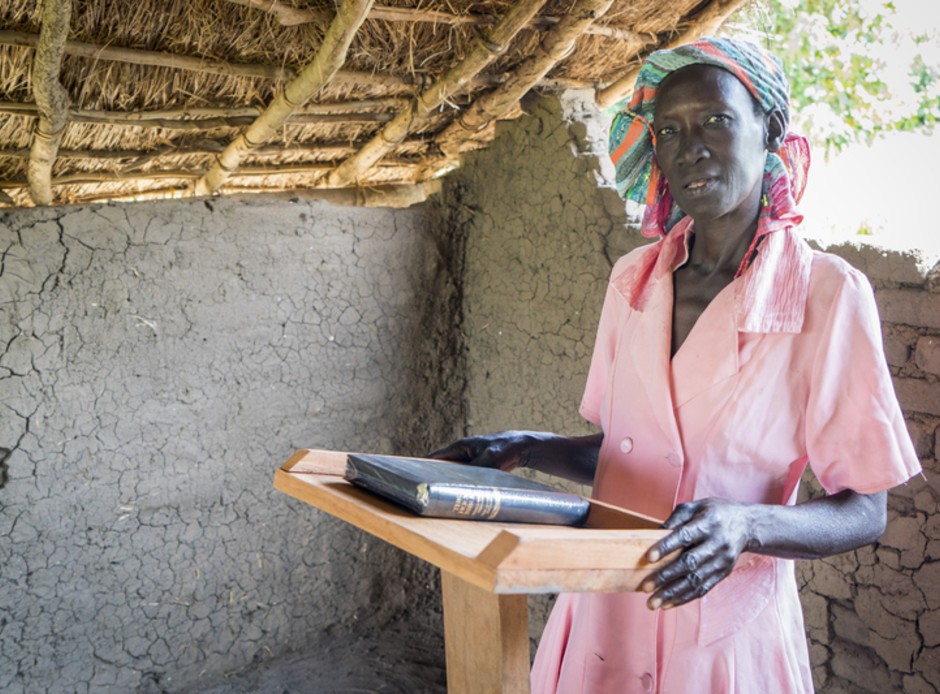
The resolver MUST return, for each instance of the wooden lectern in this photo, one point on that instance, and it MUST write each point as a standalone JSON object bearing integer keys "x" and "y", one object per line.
{"x": 487, "y": 568}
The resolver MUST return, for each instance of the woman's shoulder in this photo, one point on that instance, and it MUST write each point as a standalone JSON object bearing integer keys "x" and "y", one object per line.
{"x": 837, "y": 287}
{"x": 831, "y": 273}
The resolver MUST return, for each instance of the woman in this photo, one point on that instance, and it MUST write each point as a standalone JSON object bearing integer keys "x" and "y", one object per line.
{"x": 728, "y": 356}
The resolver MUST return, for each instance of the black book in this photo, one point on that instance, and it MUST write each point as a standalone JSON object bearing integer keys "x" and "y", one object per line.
{"x": 452, "y": 490}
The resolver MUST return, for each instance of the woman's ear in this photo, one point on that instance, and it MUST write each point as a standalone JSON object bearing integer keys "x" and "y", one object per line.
{"x": 775, "y": 127}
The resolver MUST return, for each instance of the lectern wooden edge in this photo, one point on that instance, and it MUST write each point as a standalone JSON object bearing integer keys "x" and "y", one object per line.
{"x": 487, "y": 568}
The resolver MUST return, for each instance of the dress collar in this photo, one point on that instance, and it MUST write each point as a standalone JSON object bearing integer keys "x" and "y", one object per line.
{"x": 769, "y": 296}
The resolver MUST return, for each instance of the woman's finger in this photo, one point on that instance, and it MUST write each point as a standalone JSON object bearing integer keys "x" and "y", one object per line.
{"x": 683, "y": 513}
{"x": 686, "y": 532}
{"x": 690, "y": 585}
{"x": 453, "y": 452}
{"x": 462, "y": 451}
{"x": 687, "y": 562}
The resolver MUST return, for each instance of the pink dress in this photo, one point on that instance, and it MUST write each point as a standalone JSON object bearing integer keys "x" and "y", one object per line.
{"x": 736, "y": 415}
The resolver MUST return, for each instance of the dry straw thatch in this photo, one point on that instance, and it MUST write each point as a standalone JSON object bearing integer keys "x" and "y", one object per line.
{"x": 359, "y": 101}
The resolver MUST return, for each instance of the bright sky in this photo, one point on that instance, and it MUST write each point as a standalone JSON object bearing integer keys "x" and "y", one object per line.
{"x": 885, "y": 188}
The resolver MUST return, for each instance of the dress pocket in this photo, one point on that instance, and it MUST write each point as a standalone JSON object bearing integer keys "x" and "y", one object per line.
{"x": 738, "y": 599}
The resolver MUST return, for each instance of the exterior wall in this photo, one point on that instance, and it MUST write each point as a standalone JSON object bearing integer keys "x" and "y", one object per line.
{"x": 541, "y": 239}
{"x": 158, "y": 361}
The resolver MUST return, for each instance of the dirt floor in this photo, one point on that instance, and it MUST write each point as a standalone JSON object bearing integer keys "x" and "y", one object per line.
{"x": 394, "y": 663}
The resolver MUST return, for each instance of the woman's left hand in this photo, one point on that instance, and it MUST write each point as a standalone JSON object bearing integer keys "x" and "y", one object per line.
{"x": 710, "y": 534}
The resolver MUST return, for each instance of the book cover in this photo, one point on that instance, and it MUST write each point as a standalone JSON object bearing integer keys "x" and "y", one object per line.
{"x": 451, "y": 490}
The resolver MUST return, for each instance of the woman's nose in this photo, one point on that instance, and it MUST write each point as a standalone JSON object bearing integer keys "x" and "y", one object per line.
{"x": 692, "y": 147}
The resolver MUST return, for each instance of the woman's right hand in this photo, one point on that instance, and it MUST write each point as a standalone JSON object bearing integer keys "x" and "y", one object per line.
{"x": 505, "y": 450}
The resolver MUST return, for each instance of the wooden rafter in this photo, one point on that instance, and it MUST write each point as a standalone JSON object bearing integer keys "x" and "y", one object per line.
{"x": 383, "y": 195}
{"x": 208, "y": 118}
{"x": 52, "y": 101}
{"x": 82, "y": 178}
{"x": 330, "y": 56}
{"x": 292, "y": 16}
{"x": 350, "y": 108}
{"x": 111, "y": 118}
{"x": 137, "y": 56}
{"x": 331, "y": 151}
{"x": 481, "y": 55}
{"x": 556, "y": 45}
{"x": 706, "y": 22}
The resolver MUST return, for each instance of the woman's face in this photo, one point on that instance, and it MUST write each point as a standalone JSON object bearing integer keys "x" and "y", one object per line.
{"x": 710, "y": 144}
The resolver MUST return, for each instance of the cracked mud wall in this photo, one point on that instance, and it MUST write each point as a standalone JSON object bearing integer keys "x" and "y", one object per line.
{"x": 157, "y": 362}
{"x": 542, "y": 232}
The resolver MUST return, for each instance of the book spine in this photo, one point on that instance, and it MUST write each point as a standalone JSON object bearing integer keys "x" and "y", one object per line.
{"x": 389, "y": 485}
{"x": 516, "y": 506}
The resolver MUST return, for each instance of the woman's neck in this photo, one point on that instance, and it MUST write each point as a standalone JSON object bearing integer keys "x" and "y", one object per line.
{"x": 716, "y": 250}
{"x": 719, "y": 245}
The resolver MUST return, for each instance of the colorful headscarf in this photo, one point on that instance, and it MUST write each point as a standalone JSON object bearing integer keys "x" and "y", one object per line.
{"x": 632, "y": 138}
{"x": 639, "y": 178}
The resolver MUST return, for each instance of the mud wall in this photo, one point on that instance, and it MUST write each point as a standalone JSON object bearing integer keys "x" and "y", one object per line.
{"x": 542, "y": 230}
{"x": 157, "y": 362}
{"x": 542, "y": 233}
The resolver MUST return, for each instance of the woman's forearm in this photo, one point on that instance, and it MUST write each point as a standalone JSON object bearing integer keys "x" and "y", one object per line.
{"x": 819, "y": 527}
{"x": 710, "y": 535}
{"x": 571, "y": 457}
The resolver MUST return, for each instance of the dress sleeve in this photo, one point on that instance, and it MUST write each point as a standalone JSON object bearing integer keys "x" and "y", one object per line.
{"x": 855, "y": 430}
{"x": 613, "y": 315}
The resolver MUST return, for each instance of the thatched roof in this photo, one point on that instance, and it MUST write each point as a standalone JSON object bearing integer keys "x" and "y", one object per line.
{"x": 110, "y": 99}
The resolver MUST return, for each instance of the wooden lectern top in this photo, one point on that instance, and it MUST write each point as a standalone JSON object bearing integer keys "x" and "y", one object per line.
{"x": 605, "y": 555}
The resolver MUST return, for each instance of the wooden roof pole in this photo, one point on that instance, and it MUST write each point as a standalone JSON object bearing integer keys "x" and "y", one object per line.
{"x": 190, "y": 174}
{"x": 330, "y": 57}
{"x": 557, "y": 44}
{"x": 292, "y": 16}
{"x": 481, "y": 55}
{"x": 382, "y": 195}
{"x": 51, "y": 98}
{"x": 707, "y": 21}
{"x": 206, "y": 148}
{"x": 206, "y": 66}
{"x": 364, "y": 110}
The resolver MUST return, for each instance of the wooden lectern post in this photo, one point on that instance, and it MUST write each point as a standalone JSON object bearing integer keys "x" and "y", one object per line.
{"x": 487, "y": 568}
{"x": 486, "y": 639}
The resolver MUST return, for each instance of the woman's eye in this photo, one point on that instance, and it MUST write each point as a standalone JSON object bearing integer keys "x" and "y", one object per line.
{"x": 665, "y": 131}
{"x": 717, "y": 119}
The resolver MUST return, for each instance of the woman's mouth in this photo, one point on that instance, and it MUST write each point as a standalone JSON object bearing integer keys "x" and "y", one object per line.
{"x": 699, "y": 185}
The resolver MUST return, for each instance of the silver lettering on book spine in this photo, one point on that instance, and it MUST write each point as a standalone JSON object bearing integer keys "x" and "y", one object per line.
{"x": 478, "y": 503}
